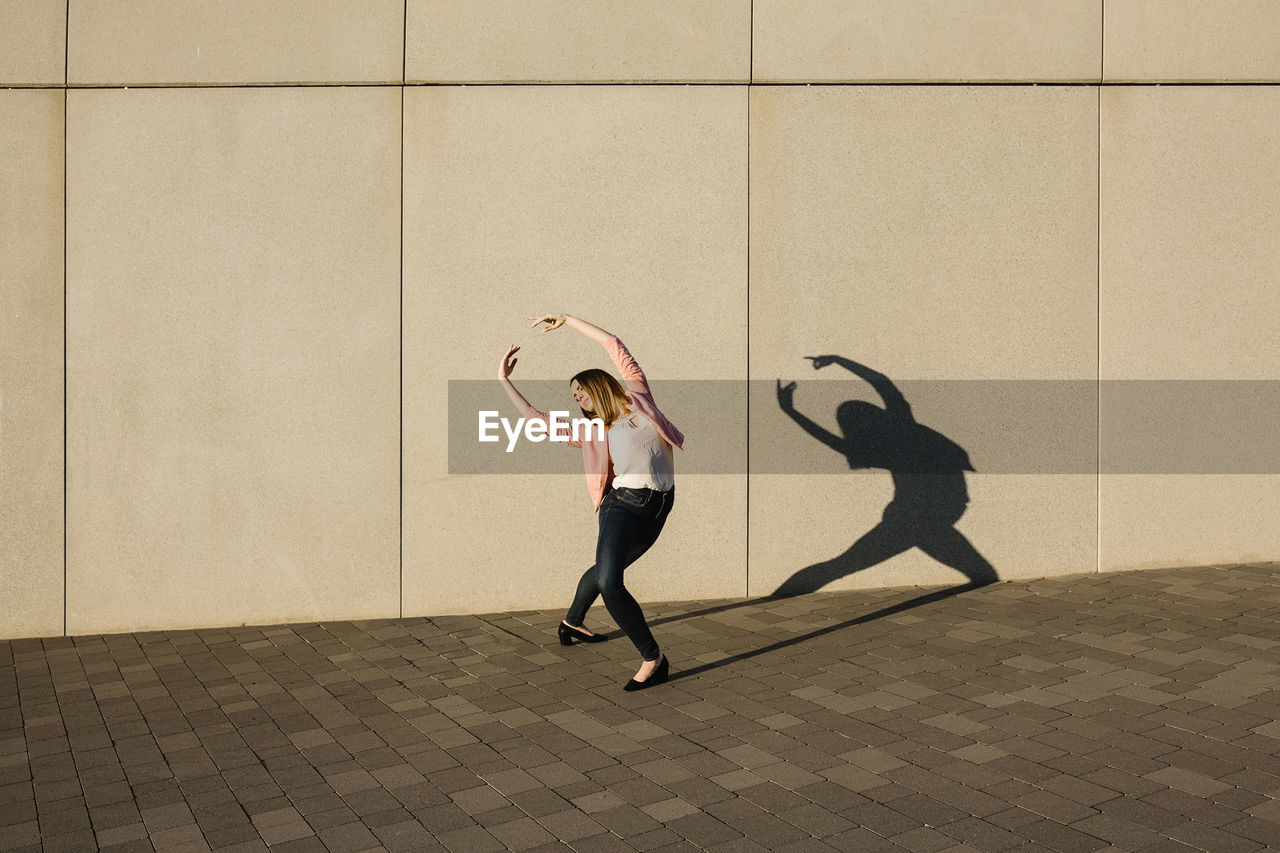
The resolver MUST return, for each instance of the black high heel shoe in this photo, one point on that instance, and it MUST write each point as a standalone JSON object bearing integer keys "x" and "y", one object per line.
{"x": 658, "y": 676}
{"x": 568, "y": 635}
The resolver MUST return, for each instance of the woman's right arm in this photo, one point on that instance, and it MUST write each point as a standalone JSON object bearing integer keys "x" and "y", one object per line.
{"x": 523, "y": 406}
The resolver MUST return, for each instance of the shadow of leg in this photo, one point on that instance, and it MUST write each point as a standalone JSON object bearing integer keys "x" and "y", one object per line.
{"x": 950, "y": 547}
{"x": 875, "y": 546}
{"x": 892, "y": 610}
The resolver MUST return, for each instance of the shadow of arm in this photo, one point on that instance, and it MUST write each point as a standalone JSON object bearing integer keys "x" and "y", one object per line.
{"x": 830, "y": 439}
{"x": 895, "y": 404}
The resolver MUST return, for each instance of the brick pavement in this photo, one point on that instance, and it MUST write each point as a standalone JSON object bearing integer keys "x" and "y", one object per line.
{"x": 1133, "y": 711}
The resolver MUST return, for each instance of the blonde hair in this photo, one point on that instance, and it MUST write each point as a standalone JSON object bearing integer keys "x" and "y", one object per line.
{"x": 606, "y": 393}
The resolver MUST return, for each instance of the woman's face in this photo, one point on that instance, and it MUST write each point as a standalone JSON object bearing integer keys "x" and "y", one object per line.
{"x": 580, "y": 394}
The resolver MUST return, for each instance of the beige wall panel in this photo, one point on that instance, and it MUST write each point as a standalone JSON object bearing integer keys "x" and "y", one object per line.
{"x": 1190, "y": 202}
{"x": 1190, "y": 213}
{"x": 31, "y": 391}
{"x": 624, "y": 205}
{"x": 1151, "y": 521}
{"x": 1236, "y": 40}
{"x": 945, "y": 233}
{"x": 928, "y": 233}
{"x": 232, "y": 356}
{"x": 560, "y": 40}
{"x": 137, "y": 42}
{"x": 33, "y": 42}
{"x": 909, "y": 40}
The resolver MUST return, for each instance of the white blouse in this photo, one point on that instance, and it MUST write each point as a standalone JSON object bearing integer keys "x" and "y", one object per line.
{"x": 641, "y": 457}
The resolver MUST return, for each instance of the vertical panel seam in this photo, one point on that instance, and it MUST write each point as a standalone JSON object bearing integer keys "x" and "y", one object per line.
{"x": 751, "y": 75}
{"x": 66, "y": 79}
{"x": 1098, "y": 345}
{"x": 404, "y": 51}
{"x": 1102, "y": 74}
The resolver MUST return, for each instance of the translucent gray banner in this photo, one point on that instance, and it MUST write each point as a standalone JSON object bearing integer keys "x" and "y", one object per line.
{"x": 916, "y": 426}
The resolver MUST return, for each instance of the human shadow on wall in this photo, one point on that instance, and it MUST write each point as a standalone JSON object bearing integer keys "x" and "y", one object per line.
{"x": 930, "y": 495}
{"x": 929, "y": 489}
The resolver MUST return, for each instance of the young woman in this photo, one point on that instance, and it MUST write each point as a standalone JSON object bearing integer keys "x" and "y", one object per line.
{"x": 631, "y": 480}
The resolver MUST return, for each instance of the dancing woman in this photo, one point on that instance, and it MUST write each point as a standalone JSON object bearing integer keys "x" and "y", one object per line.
{"x": 631, "y": 481}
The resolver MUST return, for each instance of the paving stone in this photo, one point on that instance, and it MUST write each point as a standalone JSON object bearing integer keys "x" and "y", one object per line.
{"x": 980, "y": 834}
{"x": 1205, "y": 837}
{"x": 925, "y": 839}
{"x": 168, "y": 817}
{"x": 700, "y": 792}
{"x": 1056, "y": 836}
{"x": 880, "y": 819}
{"x": 469, "y": 839}
{"x": 521, "y": 834}
{"x": 185, "y": 838}
{"x": 702, "y": 830}
{"x": 1120, "y": 833}
{"x": 570, "y": 825}
{"x": 1053, "y": 806}
{"x": 859, "y": 839}
{"x": 816, "y": 820}
{"x": 345, "y": 837}
{"x": 1255, "y": 829}
{"x": 1187, "y": 780}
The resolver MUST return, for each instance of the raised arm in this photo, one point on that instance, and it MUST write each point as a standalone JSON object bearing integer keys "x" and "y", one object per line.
{"x": 588, "y": 330}
{"x": 786, "y": 400}
{"x": 523, "y": 406}
{"x": 895, "y": 404}
{"x": 632, "y": 376}
{"x": 508, "y": 364}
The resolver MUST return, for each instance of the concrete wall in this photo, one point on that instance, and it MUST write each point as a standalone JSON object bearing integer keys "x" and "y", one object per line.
{"x": 244, "y": 248}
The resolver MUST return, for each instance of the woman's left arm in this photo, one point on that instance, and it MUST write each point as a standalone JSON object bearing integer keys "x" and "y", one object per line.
{"x": 588, "y": 330}
{"x": 632, "y": 376}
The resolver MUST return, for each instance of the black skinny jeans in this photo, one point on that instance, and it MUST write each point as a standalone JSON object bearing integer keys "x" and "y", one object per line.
{"x": 630, "y": 521}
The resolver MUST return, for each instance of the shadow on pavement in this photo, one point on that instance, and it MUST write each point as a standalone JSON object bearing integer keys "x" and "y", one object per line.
{"x": 901, "y": 607}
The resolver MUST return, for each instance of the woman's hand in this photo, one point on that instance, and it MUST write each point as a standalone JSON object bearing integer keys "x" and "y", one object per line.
{"x": 508, "y": 362}
{"x": 553, "y": 321}
{"x": 821, "y": 361}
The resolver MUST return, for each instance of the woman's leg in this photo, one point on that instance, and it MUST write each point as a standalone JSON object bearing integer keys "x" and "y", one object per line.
{"x": 624, "y": 537}
{"x": 589, "y": 584}
{"x": 587, "y": 593}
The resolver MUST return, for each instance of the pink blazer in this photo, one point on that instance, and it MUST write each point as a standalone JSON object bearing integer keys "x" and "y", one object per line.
{"x": 595, "y": 454}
